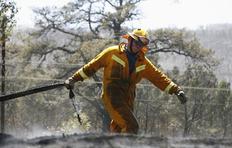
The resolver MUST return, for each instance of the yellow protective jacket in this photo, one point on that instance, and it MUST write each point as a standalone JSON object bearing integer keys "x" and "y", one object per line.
{"x": 119, "y": 85}
{"x": 116, "y": 73}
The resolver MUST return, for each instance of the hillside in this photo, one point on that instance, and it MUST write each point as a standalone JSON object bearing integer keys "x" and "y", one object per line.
{"x": 216, "y": 37}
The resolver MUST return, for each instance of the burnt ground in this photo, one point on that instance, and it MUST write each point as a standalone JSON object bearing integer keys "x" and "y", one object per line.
{"x": 93, "y": 140}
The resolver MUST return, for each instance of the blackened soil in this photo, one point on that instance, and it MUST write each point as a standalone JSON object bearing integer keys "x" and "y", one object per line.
{"x": 94, "y": 140}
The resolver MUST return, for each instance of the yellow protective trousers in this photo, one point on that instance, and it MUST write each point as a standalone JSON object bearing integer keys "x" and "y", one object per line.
{"x": 119, "y": 85}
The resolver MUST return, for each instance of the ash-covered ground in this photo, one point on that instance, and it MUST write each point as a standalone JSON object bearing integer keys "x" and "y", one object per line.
{"x": 94, "y": 140}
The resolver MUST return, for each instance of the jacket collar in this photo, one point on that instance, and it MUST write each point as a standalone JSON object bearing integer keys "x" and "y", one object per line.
{"x": 122, "y": 49}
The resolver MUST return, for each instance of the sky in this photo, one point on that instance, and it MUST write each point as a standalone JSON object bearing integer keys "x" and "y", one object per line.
{"x": 155, "y": 14}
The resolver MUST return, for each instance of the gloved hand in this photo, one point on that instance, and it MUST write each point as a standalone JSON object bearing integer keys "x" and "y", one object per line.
{"x": 181, "y": 96}
{"x": 69, "y": 83}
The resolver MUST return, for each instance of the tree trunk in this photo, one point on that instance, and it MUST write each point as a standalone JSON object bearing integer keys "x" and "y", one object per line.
{"x": 3, "y": 44}
{"x": 186, "y": 124}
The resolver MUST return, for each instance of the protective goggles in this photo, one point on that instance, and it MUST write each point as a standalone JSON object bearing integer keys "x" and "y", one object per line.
{"x": 141, "y": 41}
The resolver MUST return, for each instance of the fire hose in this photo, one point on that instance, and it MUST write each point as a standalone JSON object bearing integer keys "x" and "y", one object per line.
{"x": 41, "y": 89}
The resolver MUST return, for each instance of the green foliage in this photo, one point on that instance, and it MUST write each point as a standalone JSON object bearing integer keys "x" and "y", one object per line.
{"x": 223, "y": 99}
{"x": 181, "y": 42}
{"x": 99, "y": 18}
{"x": 196, "y": 75}
{"x": 8, "y": 11}
{"x": 90, "y": 49}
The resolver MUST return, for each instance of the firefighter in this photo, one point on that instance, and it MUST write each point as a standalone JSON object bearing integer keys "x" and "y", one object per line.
{"x": 124, "y": 66}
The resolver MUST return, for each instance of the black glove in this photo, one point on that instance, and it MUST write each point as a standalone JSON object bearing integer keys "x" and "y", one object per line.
{"x": 181, "y": 96}
{"x": 69, "y": 83}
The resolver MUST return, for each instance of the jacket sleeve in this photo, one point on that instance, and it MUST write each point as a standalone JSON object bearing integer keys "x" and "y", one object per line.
{"x": 159, "y": 79}
{"x": 90, "y": 68}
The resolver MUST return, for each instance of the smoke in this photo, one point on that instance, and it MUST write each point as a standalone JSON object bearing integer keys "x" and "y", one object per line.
{"x": 35, "y": 131}
{"x": 38, "y": 131}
